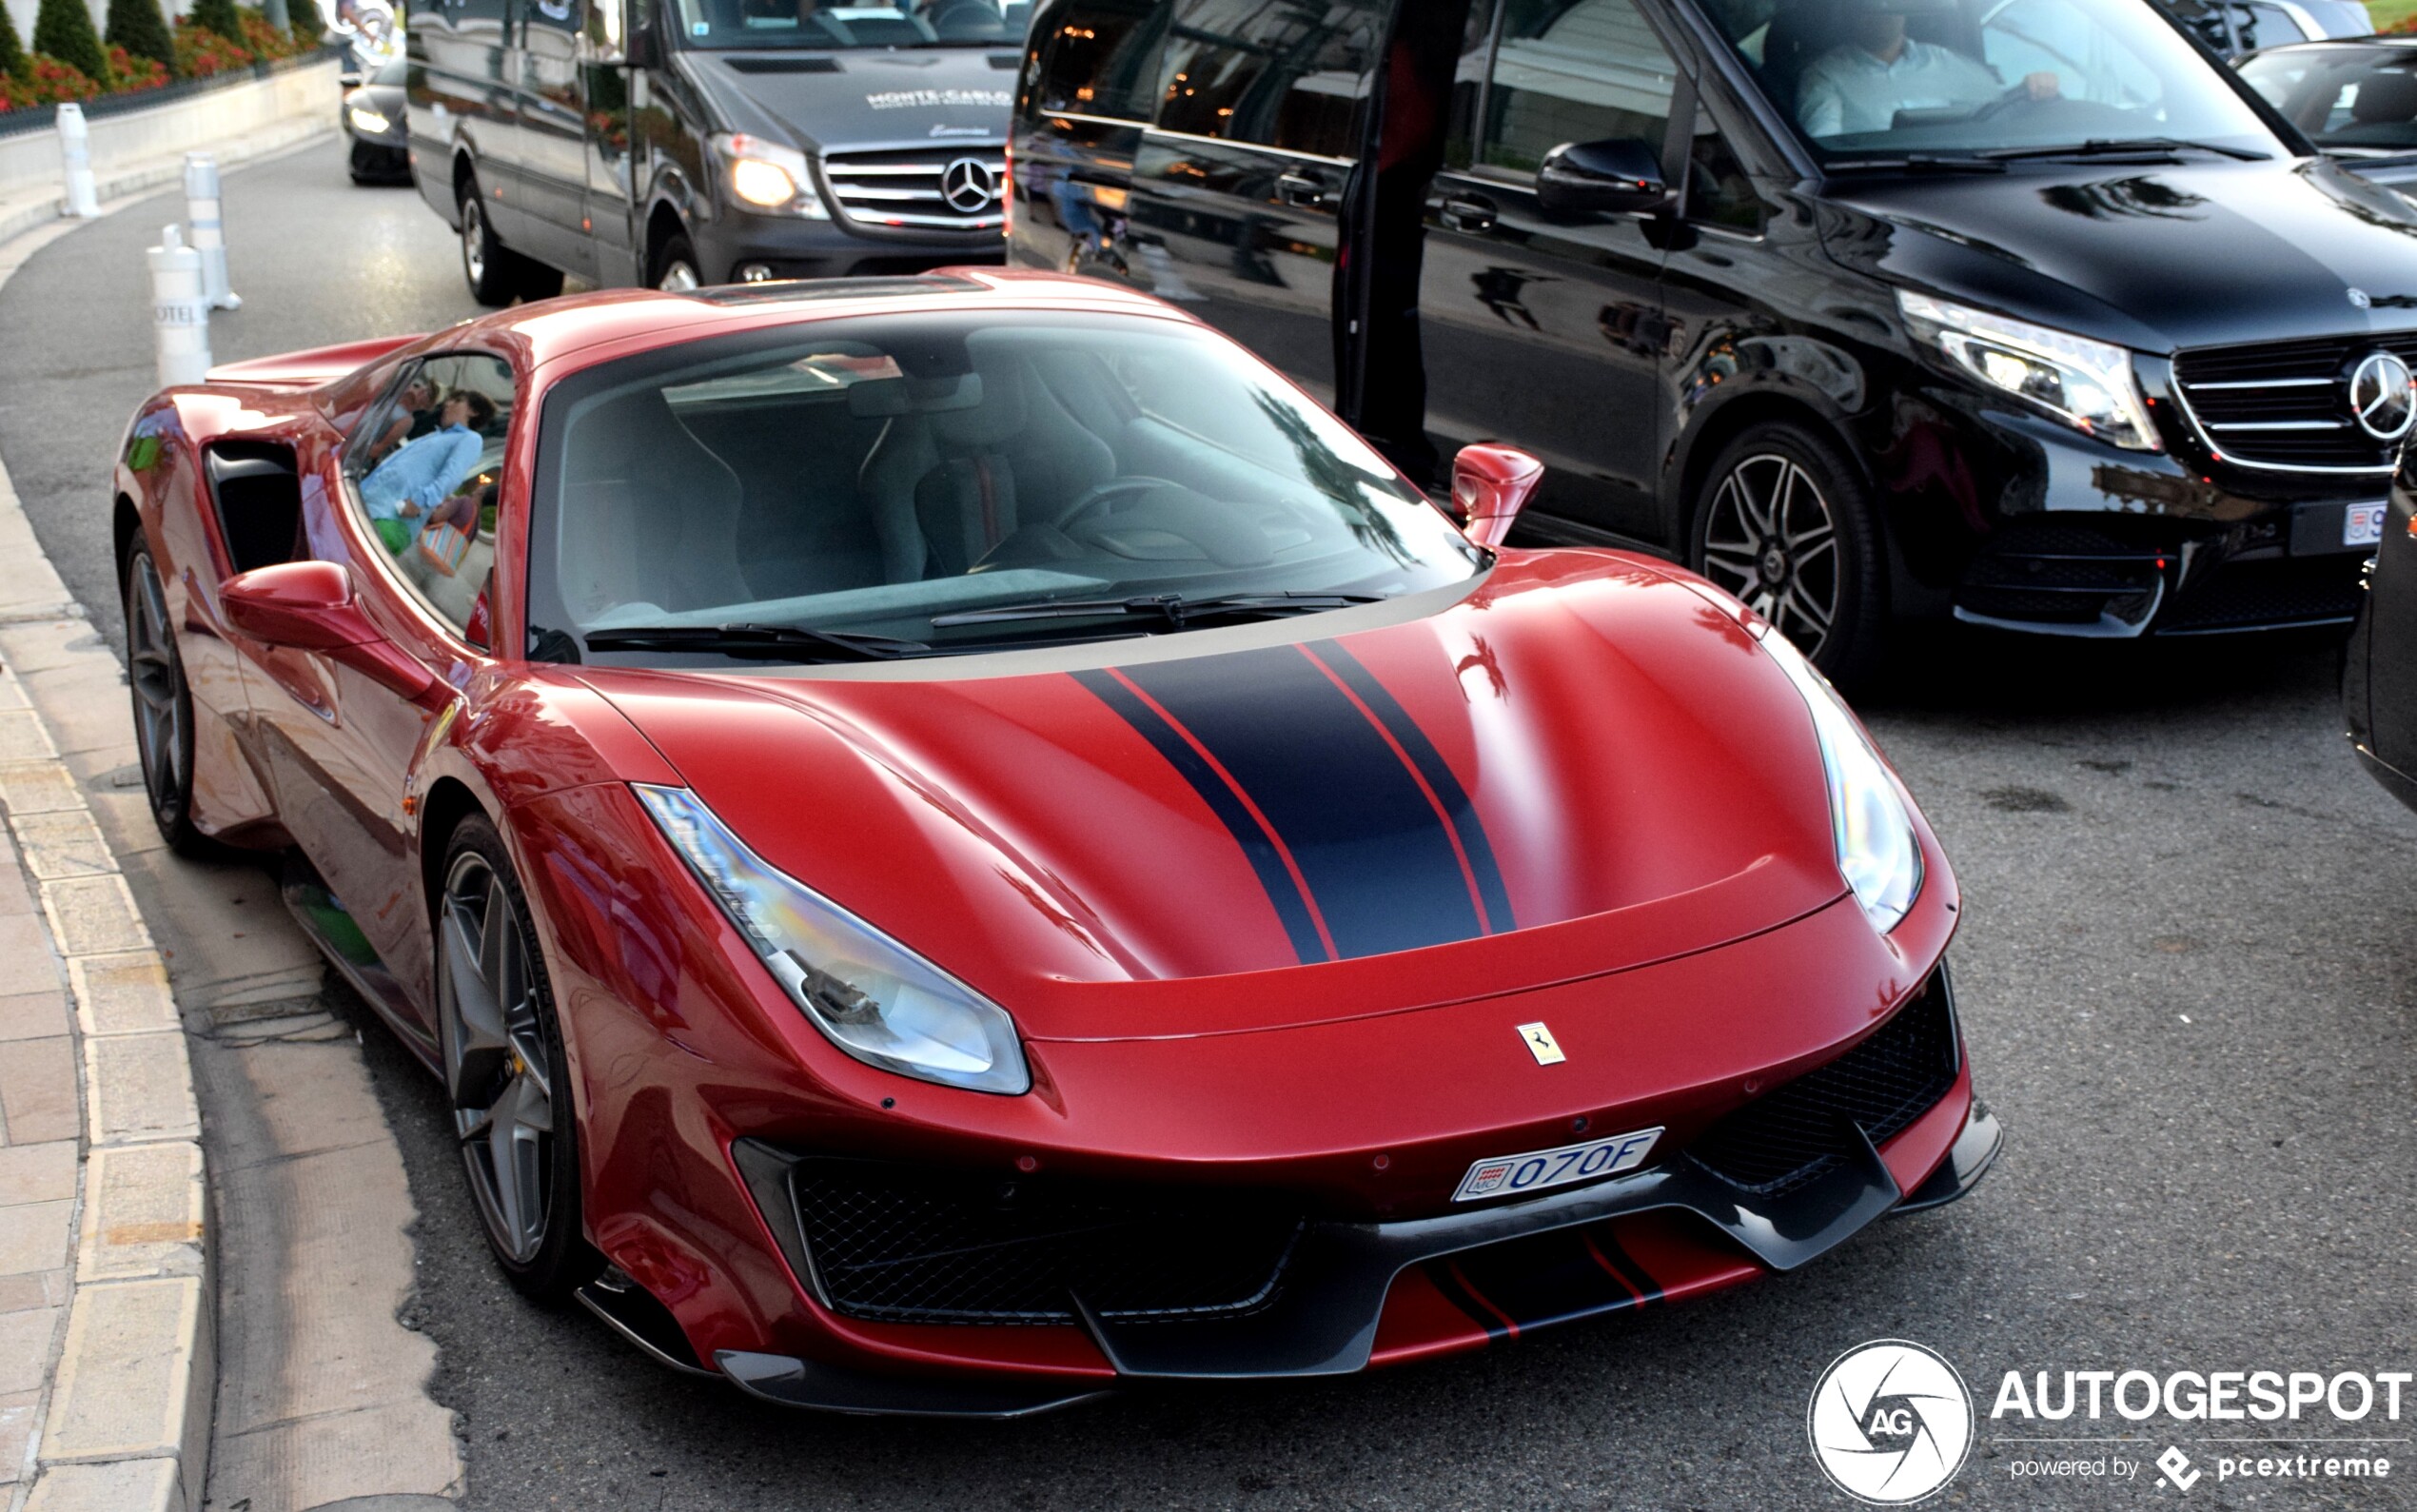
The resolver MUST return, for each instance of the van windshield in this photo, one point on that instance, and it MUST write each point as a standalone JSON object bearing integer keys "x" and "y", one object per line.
{"x": 1888, "y": 78}
{"x": 823, "y": 25}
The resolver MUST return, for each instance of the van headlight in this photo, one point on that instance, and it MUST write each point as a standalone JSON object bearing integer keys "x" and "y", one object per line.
{"x": 1868, "y": 823}
{"x": 768, "y": 177}
{"x": 870, "y": 995}
{"x": 2087, "y": 385}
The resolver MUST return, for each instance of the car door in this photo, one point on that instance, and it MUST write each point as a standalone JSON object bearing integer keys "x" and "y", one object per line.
{"x": 605, "y": 88}
{"x": 1237, "y": 184}
{"x": 1542, "y": 331}
{"x": 343, "y": 743}
{"x": 553, "y": 135}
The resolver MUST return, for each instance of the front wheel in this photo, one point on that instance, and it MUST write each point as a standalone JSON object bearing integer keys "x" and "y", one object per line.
{"x": 163, "y": 705}
{"x": 505, "y": 1073}
{"x": 1786, "y": 525}
{"x": 676, "y": 267}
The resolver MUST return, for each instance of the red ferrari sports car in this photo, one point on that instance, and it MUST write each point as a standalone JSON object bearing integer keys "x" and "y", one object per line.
{"x": 957, "y": 842}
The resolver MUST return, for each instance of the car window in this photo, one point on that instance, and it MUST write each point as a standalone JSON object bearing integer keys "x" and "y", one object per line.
{"x": 1589, "y": 71}
{"x": 875, "y": 476}
{"x": 1719, "y": 192}
{"x": 1102, "y": 58}
{"x": 2362, "y": 99}
{"x": 1946, "y": 76}
{"x": 1282, "y": 73}
{"x": 424, "y": 468}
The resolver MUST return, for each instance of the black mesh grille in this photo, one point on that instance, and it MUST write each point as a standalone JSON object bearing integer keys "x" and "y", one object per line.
{"x": 1788, "y": 1137}
{"x": 2236, "y": 390}
{"x": 2244, "y": 596}
{"x": 904, "y": 1247}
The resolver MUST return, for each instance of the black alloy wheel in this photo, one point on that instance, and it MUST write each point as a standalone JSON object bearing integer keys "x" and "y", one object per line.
{"x": 1786, "y": 526}
{"x": 506, "y": 1074}
{"x": 163, "y": 705}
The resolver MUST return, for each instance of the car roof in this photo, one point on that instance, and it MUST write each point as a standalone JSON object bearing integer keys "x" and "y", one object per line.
{"x": 639, "y": 320}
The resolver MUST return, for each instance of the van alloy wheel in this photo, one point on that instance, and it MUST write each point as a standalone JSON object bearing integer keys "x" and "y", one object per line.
{"x": 1772, "y": 542}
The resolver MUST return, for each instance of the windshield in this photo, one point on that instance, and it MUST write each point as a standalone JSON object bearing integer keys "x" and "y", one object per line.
{"x": 819, "y": 24}
{"x": 883, "y": 477}
{"x": 2357, "y": 100}
{"x": 1884, "y": 78}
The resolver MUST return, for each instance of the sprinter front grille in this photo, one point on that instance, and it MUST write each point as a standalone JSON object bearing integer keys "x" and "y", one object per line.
{"x": 2285, "y": 406}
{"x": 946, "y": 186}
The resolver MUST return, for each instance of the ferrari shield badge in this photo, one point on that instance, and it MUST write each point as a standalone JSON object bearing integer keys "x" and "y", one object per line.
{"x": 1541, "y": 1045}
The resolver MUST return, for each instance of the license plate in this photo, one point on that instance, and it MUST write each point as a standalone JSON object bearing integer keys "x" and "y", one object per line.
{"x": 2362, "y": 525}
{"x": 1543, "y": 1168}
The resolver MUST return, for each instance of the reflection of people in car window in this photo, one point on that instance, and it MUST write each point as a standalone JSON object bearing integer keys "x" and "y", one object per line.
{"x": 1860, "y": 86}
{"x": 404, "y": 490}
{"x": 415, "y": 416}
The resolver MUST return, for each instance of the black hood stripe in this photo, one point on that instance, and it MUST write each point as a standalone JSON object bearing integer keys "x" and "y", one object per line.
{"x": 1381, "y": 866}
{"x": 1276, "y": 871}
{"x": 1484, "y": 870}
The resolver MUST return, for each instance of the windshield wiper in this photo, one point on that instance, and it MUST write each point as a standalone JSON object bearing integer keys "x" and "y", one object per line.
{"x": 762, "y": 642}
{"x": 2127, "y": 147}
{"x": 1175, "y": 608}
{"x": 1920, "y": 162}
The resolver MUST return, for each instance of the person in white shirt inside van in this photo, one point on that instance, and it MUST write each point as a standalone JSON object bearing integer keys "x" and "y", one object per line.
{"x": 1860, "y": 86}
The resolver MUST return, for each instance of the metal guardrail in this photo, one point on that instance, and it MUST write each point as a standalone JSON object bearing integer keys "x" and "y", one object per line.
{"x": 41, "y": 117}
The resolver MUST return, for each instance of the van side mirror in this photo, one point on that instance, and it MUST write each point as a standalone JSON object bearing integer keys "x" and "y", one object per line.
{"x": 643, "y": 46}
{"x": 1601, "y": 178}
{"x": 1490, "y": 485}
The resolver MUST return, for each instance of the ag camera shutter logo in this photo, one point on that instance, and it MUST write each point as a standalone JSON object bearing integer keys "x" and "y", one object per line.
{"x": 1891, "y": 1422}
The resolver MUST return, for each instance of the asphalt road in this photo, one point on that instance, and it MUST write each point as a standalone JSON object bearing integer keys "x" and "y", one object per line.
{"x": 2187, "y": 977}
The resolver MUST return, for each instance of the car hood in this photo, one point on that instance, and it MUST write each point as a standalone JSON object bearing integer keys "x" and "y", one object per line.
{"x": 2158, "y": 258}
{"x": 1582, "y": 765}
{"x": 897, "y": 98}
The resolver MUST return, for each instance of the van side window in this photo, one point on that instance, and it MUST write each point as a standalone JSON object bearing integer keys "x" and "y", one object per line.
{"x": 1719, "y": 192}
{"x": 1593, "y": 71}
{"x": 1278, "y": 73}
{"x": 1102, "y": 59}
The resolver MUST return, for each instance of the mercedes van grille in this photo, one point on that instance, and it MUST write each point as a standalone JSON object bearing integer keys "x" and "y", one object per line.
{"x": 2284, "y": 406}
{"x": 948, "y": 186}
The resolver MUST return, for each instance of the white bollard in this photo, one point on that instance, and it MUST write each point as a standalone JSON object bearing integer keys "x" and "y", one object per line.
{"x": 180, "y": 310}
{"x": 75, "y": 155}
{"x": 202, "y": 218}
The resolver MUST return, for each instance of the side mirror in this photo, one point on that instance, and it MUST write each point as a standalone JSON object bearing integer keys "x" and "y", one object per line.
{"x": 309, "y": 607}
{"x": 642, "y": 47}
{"x": 1490, "y": 485}
{"x": 1601, "y": 178}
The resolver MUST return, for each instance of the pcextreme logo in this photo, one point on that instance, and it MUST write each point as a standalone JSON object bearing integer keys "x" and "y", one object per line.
{"x": 1890, "y": 1422}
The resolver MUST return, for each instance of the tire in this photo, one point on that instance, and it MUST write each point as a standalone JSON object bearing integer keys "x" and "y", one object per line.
{"x": 163, "y": 705}
{"x": 507, "y": 1079}
{"x": 1785, "y": 523}
{"x": 676, "y": 269}
{"x": 486, "y": 263}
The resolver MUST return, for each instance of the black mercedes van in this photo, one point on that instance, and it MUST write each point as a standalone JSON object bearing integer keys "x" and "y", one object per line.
{"x": 676, "y": 143}
{"x": 2023, "y": 311}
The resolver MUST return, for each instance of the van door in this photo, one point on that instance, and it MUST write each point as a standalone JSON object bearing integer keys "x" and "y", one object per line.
{"x": 1550, "y": 333}
{"x": 1237, "y": 185}
{"x": 553, "y": 136}
{"x": 606, "y": 84}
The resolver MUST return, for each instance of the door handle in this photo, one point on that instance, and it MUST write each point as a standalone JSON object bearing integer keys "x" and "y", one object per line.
{"x": 1302, "y": 190}
{"x": 1464, "y": 212}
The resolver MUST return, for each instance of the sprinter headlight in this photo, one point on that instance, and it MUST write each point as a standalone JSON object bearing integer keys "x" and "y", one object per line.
{"x": 769, "y": 177}
{"x": 1869, "y": 823}
{"x": 2087, "y": 385}
{"x": 868, "y": 994}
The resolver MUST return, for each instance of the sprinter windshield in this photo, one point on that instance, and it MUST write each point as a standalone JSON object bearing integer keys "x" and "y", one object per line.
{"x": 1887, "y": 78}
{"x": 822, "y": 26}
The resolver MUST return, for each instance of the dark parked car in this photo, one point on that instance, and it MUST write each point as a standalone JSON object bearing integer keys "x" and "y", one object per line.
{"x": 676, "y": 143}
{"x": 374, "y": 128}
{"x": 2026, "y": 330}
{"x": 2355, "y": 100}
{"x": 2379, "y": 677}
{"x": 2233, "y": 28}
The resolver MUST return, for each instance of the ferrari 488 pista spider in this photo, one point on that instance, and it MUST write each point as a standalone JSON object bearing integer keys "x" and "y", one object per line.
{"x": 957, "y": 842}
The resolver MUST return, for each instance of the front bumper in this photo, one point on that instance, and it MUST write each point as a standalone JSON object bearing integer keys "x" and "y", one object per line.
{"x": 788, "y": 247}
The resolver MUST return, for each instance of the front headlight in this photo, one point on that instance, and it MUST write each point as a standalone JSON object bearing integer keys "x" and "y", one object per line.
{"x": 1876, "y": 852}
{"x": 369, "y": 122}
{"x": 2087, "y": 385}
{"x": 870, "y": 995}
{"x": 769, "y": 177}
